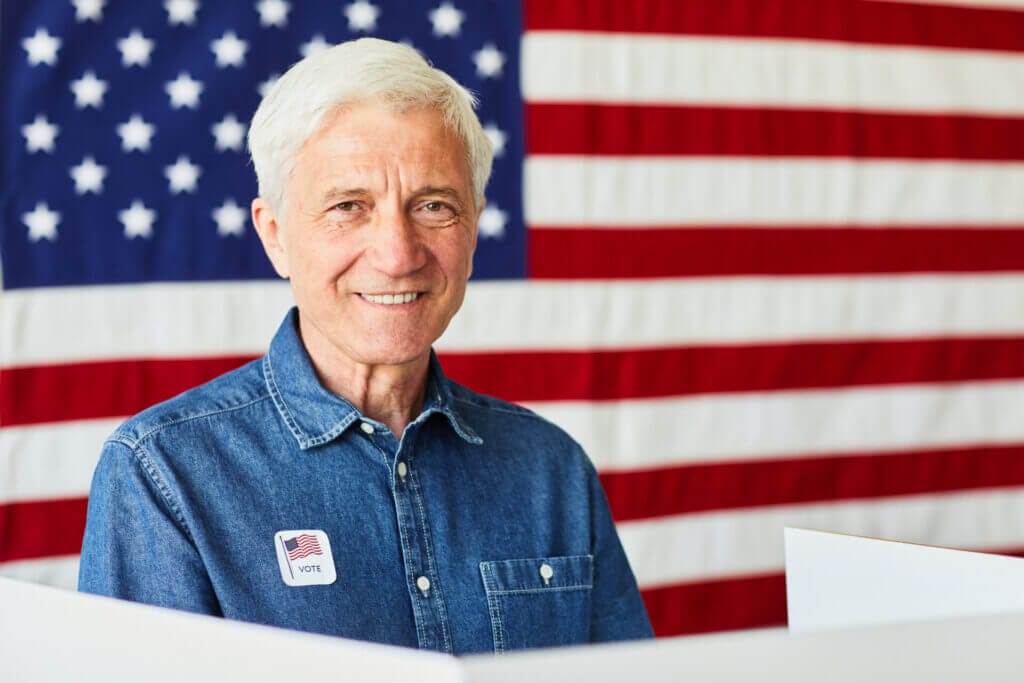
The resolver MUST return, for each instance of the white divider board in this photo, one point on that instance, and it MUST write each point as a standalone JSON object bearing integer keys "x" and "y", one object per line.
{"x": 48, "y": 634}
{"x": 839, "y": 581}
{"x": 981, "y": 650}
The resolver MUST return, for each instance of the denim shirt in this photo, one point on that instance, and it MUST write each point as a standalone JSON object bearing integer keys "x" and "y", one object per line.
{"x": 483, "y": 529}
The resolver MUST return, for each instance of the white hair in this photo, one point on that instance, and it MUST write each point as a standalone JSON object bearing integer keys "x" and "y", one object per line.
{"x": 366, "y": 69}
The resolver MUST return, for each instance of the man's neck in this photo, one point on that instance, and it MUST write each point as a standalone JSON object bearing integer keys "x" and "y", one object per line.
{"x": 391, "y": 394}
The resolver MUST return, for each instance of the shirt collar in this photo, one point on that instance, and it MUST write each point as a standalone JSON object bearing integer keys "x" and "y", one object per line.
{"x": 316, "y": 416}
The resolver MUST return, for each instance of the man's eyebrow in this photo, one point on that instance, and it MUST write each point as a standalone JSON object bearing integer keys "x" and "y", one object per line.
{"x": 338, "y": 193}
{"x": 441, "y": 190}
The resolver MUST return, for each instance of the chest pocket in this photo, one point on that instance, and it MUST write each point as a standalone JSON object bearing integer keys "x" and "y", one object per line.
{"x": 541, "y": 602}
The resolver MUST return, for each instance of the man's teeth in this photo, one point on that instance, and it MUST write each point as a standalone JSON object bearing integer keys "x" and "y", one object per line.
{"x": 390, "y": 298}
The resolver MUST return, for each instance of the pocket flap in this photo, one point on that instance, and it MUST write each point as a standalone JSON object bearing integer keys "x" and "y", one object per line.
{"x": 538, "y": 574}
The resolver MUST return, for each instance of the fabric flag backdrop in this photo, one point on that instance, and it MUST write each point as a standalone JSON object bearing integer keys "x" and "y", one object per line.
{"x": 763, "y": 259}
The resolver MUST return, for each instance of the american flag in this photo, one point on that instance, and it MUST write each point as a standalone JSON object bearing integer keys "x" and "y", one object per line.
{"x": 764, "y": 259}
{"x": 301, "y": 546}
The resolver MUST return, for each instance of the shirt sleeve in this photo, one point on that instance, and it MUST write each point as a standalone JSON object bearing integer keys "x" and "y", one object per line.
{"x": 136, "y": 545}
{"x": 618, "y": 610}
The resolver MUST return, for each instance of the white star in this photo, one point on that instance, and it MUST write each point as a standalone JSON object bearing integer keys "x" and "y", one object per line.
{"x": 316, "y": 44}
{"x": 492, "y": 222}
{"x": 229, "y": 133}
{"x": 88, "y": 10}
{"x": 40, "y": 134}
{"x": 181, "y": 11}
{"x": 273, "y": 12}
{"x": 88, "y": 176}
{"x": 182, "y": 176}
{"x": 229, "y": 49}
{"x": 266, "y": 85}
{"x": 41, "y": 48}
{"x": 137, "y": 220}
{"x": 497, "y": 137}
{"x": 41, "y": 222}
{"x": 447, "y": 20}
{"x": 135, "y": 134}
{"x": 362, "y": 16}
{"x": 184, "y": 91}
{"x": 230, "y": 218}
{"x": 89, "y": 91}
{"x": 489, "y": 61}
{"x": 135, "y": 49}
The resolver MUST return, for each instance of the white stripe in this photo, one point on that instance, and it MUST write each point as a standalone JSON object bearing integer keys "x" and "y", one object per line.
{"x": 42, "y": 326}
{"x": 1008, "y": 4}
{"x": 56, "y": 460}
{"x": 50, "y": 460}
{"x": 607, "y": 67}
{"x": 735, "y": 543}
{"x": 140, "y": 321}
{"x": 748, "y": 426}
{"x": 650, "y": 192}
{"x": 61, "y": 572}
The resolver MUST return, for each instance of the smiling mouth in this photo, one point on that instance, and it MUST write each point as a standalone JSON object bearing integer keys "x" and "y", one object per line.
{"x": 391, "y": 299}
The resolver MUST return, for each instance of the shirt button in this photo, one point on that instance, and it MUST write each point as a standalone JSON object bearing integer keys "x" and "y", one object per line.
{"x": 402, "y": 470}
{"x": 546, "y": 572}
{"x": 423, "y": 583}
{"x": 366, "y": 427}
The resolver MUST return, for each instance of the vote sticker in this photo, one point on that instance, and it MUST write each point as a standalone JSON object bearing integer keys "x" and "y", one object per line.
{"x": 304, "y": 557}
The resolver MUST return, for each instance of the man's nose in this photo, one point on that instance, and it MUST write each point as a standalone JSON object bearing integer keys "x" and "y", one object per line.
{"x": 397, "y": 249}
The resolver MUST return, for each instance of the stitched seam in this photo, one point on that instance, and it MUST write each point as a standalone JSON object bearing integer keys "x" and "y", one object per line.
{"x": 549, "y": 589}
{"x": 493, "y": 609}
{"x": 132, "y": 442}
{"x": 428, "y": 545}
{"x": 165, "y": 491}
{"x": 282, "y": 407}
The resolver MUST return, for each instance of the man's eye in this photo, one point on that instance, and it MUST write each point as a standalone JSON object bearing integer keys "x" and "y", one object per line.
{"x": 435, "y": 206}
{"x": 347, "y": 206}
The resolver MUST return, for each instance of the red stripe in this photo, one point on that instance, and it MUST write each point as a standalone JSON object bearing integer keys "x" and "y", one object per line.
{"x": 39, "y": 394}
{"x": 633, "y": 253}
{"x": 82, "y": 391}
{"x": 735, "y": 485}
{"x": 42, "y": 528}
{"x": 724, "y": 604}
{"x": 644, "y": 373}
{"x": 655, "y": 130}
{"x": 855, "y": 21}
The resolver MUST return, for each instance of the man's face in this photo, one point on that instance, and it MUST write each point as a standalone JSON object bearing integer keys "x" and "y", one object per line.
{"x": 379, "y": 233}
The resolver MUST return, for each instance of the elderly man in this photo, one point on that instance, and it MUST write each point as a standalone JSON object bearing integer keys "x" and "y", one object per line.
{"x": 341, "y": 484}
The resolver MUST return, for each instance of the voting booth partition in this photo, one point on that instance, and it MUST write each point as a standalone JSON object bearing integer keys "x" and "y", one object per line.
{"x": 859, "y": 609}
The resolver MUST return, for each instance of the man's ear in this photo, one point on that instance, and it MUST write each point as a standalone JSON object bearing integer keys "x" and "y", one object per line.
{"x": 476, "y": 232}
{"x": 271, "y": 235}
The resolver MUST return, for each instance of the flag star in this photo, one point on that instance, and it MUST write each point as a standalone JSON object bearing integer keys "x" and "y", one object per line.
{"x": 135, "y": 49}
{"x": 489, "y": 61}
{"x": 137, "y": 220}
{"x": 273, "y": 12}
{"x": 182, "y": 175}
{"x": 229, "y": 133}
{"x": 41, "y": 48}
{"x": 41, "y": 223}
{"x": 230, "y": 50}
{"x": 497, "y": 137}
{"x": 230, "y": 218}
{"x": 89, "y": 91}
{"x": 266, "y": 85}
{"x": 135, "y": 134}
{"x": 492, "y": 222}
{"x": 447, "y": 19}
{"x": 88, "y": 10}
{"x": 184, "y": 91}
{"x": 316, "y": 44}
{"x": 40, "y": 134}
{"x": 362, "y": 16}
{"x": 181, "y": 11}
{"x": 88, "y": 176}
